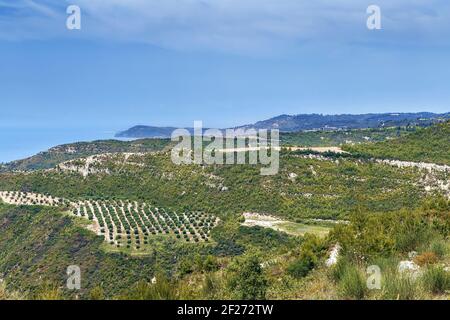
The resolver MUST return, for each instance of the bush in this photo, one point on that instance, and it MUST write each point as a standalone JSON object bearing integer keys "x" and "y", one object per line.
{"x": 248, "y": 280}
{"x": 210, "y": 264}
{"x": 371, "y": 236}
{"x": 311, "y": 249}
{"x": 353, "y": 284}
{"x": 399, "y": 287}
{"x": 426, "y": 258}
{"x": 436, "y": 280}
{"x": 211, "y": 286}
{"x": 7, "y": 295}
{"x": 338, "y": 270}
{"x": 302, "y": 266}
{"x": 49, "y": 291}
{"x": 438, "y": 248}
{"x": 97, "y": 293}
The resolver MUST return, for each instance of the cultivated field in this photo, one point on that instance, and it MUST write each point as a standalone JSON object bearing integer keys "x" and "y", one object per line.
{"x": 125, "y": 223}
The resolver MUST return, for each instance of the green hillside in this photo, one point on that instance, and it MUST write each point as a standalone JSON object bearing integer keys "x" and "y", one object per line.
{"x": 329, "y": 189}
{"x": 38, "y": 244}
{"x": 50, "y": 158}
{"x": 425, "y": 144}
{"x": 340, "y": 137}
{"x": 378, "y": 213}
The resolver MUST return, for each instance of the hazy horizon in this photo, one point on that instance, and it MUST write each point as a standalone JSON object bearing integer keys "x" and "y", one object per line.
{"x": 224, "y": 62}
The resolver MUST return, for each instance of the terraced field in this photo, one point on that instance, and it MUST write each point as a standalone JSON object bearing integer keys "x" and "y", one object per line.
{"x": 30, "y": 199}
{"x": 124, "y": 223}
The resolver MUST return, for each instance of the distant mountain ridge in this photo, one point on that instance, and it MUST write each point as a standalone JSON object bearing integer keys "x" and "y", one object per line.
{"x": 142, "y": 131}
{"x": 306, "y": 122}
{"x": 292, "y": 123}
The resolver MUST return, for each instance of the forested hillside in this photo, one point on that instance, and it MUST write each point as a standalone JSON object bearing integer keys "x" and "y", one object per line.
{"x": 329, "y": 138}
{"x": 425, "y": 144}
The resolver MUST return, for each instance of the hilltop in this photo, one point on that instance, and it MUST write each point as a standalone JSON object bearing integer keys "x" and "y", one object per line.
{"x": 62, "y": 153}
{"x": 314, "y": 122}
{"x": 56, "y": 155}
{"x": 301, "y": 122}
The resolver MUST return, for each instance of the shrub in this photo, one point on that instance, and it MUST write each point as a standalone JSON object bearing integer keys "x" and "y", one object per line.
{"x": 399, "y": 287}
{"x": 211, "y": 286}
{"x": 248, "y": 280}
{"x": 97, "y": 293}
{"x": 311, "y": 249}
{"x": 438, "y": 248}
{"x": 302, "y": 266}
{"x": 436, "y": 280}
{"x": 49, "y": 291}
{"x": 353, "y": 284}
{"x": 426, "y": 258}
{"x": 338, "y": 270}
{"x": 186, "y": 266}
{"x": 7, "y": 295}
{"x": 210, "y": 264}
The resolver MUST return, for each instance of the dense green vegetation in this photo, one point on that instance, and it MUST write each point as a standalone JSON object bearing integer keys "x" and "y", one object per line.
{"x": 389, "y": 213}
{"x": 386, "y": 239}
{"x": 425, "y": 144}
{"x": 52, "y": 157}
{"x": 382, "y": 240}
{"x": 322, "y": 189}
{"x": 340, "y": 137}
{"x": 59, "y": 154}
{"x": 38, "y": 244}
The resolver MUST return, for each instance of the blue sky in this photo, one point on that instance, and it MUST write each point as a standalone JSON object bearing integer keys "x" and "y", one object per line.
{"x": 226, "y": 62}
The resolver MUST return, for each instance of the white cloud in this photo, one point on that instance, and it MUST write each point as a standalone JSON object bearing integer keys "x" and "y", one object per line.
{"x": 247, "y": 26}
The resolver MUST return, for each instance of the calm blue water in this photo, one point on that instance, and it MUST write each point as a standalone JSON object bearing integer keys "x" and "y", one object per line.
{"x": 19, "y": 143}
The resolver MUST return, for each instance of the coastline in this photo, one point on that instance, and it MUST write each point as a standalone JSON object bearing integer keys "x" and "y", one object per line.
{"x": 18, "y": 143}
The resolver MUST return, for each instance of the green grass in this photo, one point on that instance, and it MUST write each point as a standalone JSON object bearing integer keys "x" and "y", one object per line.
{"x": 399, "y": 287}
{"x": 299, "y": 229}
{"x": 436, "y": 280}
{"x": 352, "y": 284}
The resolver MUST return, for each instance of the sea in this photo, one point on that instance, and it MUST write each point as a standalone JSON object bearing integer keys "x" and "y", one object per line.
{"x": 19, "y": 143}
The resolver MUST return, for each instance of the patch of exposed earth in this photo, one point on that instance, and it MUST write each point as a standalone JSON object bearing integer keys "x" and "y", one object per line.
{"x": 277, "y": 224}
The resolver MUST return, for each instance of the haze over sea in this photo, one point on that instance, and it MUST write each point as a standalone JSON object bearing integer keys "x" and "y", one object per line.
{"x": 19, "y": 142}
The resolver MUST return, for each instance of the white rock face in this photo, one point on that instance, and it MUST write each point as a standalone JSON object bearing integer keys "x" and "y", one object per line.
{"x": 312, "y": 170}
{"x": 409, "y": 268}
{"x": 292, "y": 176}
{"x": 421, "y": 165}
{"x": 95, "y": 164}
{"x": 334, "y": 255}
